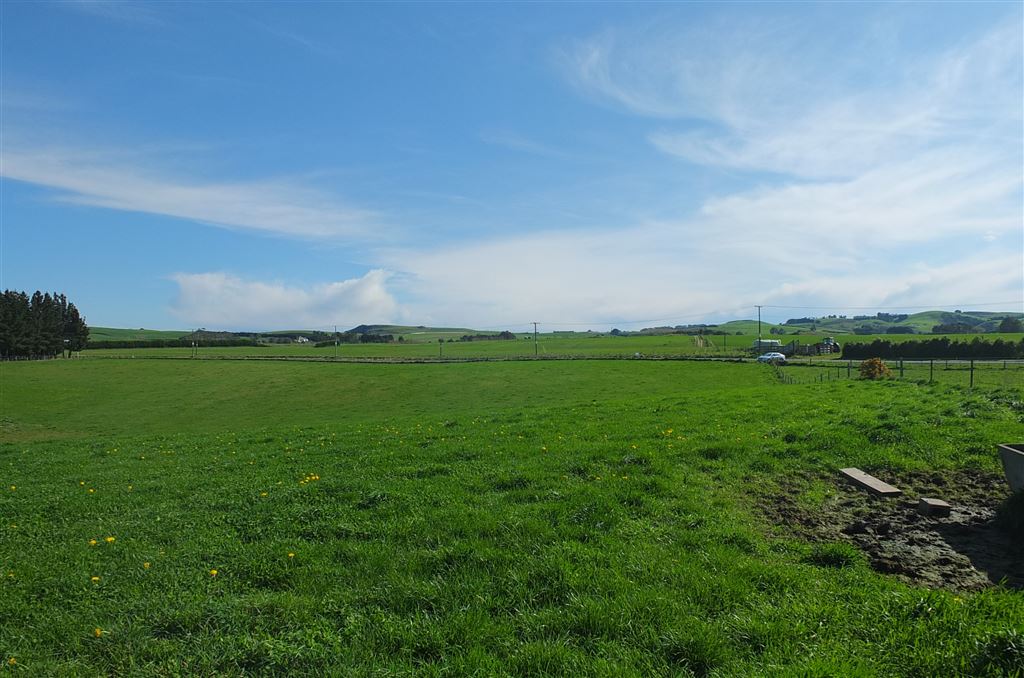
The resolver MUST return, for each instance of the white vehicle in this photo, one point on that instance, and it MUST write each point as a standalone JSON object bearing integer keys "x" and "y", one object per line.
{"x": 772, "y": 357}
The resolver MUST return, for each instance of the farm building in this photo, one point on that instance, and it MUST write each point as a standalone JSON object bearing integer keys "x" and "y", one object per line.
{"x": 766, "y": 345}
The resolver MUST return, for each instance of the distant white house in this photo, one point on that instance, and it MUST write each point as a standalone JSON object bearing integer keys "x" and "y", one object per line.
{"x": 301, "y": 340}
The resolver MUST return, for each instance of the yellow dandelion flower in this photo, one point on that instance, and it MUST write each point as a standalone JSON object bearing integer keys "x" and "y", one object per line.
{"x": 94, "y": 579}
{"x": 91, "y": 490}
{"x": 291, "y": 555}
{"x": 82, "y": 483}
{"x": 109, "y": 540}
{"x": 213, "y": 573}
{"x": 13, "y": 488}
{"x": 263, "y": 494}
{"x": 145, "y": 565}
{"x": 97, "y": 632}
{"x": 12, "y": 661}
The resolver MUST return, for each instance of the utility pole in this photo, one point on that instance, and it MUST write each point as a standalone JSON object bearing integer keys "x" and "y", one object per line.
{"x": 535, "y": 347}
{"x": 759, "y": 328}
{"x": 335, "y": 342}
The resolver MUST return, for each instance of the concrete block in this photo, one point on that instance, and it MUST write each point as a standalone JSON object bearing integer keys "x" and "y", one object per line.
{"x": 933, "y": 507}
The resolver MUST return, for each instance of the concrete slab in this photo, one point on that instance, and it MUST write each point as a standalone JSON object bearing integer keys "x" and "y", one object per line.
{"x": 1013, "y": 465}
{"x": 870, "y": 483}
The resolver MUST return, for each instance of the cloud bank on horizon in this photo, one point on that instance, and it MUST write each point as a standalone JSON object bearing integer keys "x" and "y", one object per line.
{"x": 683, "y": 164}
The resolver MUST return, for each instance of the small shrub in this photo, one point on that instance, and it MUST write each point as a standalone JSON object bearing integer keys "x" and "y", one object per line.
{"x": 874, "y": 368}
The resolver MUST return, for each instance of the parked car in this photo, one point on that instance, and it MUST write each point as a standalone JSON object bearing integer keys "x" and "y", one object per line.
{"x": 772, "y": 357}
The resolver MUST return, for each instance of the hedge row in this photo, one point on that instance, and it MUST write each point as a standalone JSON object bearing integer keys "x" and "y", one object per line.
{"x": 939, "y": 348}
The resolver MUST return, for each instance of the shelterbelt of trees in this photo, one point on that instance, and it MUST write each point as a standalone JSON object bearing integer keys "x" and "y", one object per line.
{"x": 184, "y": 342}
{"x": 38, "y": 327}
{"x": 938, "y": 348}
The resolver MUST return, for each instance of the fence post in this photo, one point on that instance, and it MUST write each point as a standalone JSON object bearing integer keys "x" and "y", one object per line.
{"x": 931, "y": 370}
{"x": 972, "y": 372}
{"x": 901, "y": 368}
{"x": 849, "y": 365}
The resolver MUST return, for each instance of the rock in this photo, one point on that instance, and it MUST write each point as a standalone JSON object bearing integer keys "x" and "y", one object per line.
{"x": 933, "y": 507}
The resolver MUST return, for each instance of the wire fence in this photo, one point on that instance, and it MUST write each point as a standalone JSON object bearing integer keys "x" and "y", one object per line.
{"x": 965, "y": 373}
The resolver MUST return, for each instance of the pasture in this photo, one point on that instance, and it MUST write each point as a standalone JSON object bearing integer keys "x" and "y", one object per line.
{"x": 594, "y": 517}
{"x": 549, "y": 345}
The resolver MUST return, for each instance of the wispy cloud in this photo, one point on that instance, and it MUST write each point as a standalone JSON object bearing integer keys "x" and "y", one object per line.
{"x": 295, "y": 38}
{"x": 764, "y": 99}
{"x": 117, "y": 10}
{"x": 905, "y": 190}
{"x": 517, "y": 142}
{"x": 111, "y": 181}
{"x": 221, "y": 300}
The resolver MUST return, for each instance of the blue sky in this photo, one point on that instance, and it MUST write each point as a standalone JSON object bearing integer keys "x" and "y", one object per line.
{"x": 261, "y": 166}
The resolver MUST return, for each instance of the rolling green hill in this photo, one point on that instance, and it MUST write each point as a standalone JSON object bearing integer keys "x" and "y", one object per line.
{"x": 750, "y": 327}
{"x": 919, "y": 323}
{"x": 979, "y": 322}
{"x": 122, "y": 334}
{"x": 419, "y": 333}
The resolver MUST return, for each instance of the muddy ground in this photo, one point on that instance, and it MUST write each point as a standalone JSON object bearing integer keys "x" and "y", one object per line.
{"x": 967, "y": 550}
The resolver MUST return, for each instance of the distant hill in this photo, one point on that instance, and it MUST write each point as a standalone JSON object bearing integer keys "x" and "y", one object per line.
{"x": 879, "y": 323}
{"x": 420, "y": 333}
{"x": 914, "y": 323}
{"x": 120, "y": 334}
{"x": 750, "y": 327}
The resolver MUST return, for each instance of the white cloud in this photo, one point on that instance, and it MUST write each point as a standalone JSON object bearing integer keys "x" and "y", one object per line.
{"x": 679, "y": 272}
{"x": 272, "y": 207}
{"x": 902, "y": 189}
{"x": 779, "y": 99}
{"x": 220, "y": 300}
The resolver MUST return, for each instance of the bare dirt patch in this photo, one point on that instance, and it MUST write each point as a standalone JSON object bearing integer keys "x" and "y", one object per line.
{"x": 968, "y": 550}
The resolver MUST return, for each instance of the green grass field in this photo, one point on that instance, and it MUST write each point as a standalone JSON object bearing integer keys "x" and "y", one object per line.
{"x": 525, "y": 518}
{"x": 549, "y": 345}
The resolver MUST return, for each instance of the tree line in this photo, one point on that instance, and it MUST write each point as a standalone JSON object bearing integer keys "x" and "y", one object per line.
{"x": 487, "y": 337}
{"x": 938, "y": 348}
{"x": 183, "y": 342}
{"x": 357, "y": 338}
{"x": 40, "y": 326}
